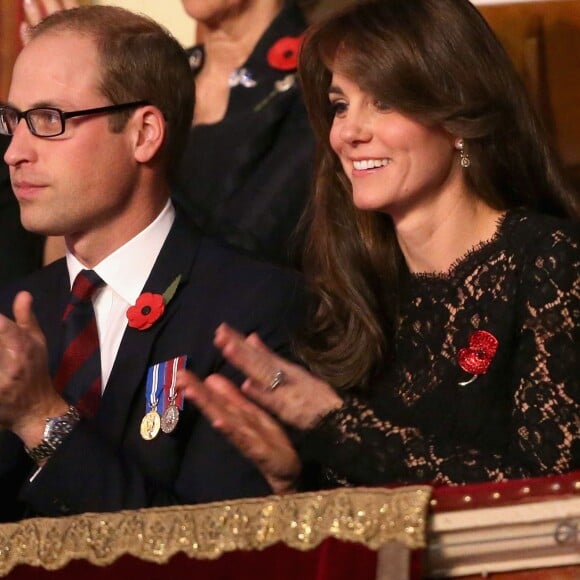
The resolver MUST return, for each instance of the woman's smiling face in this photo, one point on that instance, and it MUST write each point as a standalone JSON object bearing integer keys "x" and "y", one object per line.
{"x": 393, "y": 162}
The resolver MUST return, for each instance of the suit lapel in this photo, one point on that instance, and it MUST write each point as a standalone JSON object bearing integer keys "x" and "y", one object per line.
{"x": 134, "y": 356}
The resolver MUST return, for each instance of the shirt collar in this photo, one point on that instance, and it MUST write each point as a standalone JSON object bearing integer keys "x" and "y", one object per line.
{"x": 126, "y": 270}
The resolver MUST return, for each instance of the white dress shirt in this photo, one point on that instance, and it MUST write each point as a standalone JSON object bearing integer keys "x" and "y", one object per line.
{"x": 124, "y": 272}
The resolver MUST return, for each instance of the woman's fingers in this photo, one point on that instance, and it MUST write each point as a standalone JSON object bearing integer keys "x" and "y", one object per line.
{"x": 255, "y": 433}
{"x": 286, "y": 389}
{"x": 221, "y": 401}
{"x": 215, "y": 408}
{"x": 255, "y": 361}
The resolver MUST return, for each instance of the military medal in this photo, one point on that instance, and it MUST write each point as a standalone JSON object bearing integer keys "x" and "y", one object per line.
{"x": 150, "y": 425}
{"x": 162, "y": 400}
{"x": 151, "y": 422}
{"x": 170, "y": 416}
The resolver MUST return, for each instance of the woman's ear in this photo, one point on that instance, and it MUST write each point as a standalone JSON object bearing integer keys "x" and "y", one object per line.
{"x": 149, "y": 129}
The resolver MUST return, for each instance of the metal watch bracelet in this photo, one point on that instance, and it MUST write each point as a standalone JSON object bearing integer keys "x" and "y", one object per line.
{"x": 56, "y": 430}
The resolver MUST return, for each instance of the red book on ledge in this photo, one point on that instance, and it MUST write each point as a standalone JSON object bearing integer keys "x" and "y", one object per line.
{"x": 496, "y": 528}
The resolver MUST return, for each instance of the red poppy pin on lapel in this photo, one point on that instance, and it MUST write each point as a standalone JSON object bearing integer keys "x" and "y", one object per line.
{"x": 477, "y": 357}
{"x": 149, "y": 307}
{"x": 283, "y": 54}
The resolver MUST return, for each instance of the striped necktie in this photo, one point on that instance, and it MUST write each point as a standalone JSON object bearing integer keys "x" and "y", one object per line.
{"x": 78, "y": 376}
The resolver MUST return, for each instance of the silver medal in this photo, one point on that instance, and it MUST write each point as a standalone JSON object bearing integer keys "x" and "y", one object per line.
{"x": 169, "y": 418}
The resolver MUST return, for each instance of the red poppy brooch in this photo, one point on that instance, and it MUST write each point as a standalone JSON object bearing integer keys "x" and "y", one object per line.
{"x": 476, "y": 358}
{"x": 149, "y": 307}
{"x": 283, "y": 54}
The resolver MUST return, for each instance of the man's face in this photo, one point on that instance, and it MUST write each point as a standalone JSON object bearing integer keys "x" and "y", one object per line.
{"x": 81, "y": 183}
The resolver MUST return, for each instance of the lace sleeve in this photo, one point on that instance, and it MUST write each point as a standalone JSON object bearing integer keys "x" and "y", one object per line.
{"x": 543, "y": 377}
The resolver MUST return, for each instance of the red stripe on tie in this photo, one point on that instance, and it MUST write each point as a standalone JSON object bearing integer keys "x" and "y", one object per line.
{"x": 78, "y": 351}
{"x": 78, "y": 377}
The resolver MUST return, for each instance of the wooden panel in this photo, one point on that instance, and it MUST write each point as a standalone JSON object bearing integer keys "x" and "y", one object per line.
{"x": 562, "y": 39}
{"x": 543, "y": 40}
{"x": 10, "y": 15}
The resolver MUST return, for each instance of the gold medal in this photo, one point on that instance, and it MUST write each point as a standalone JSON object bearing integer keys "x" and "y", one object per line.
{"x": 169, "y": 418}
{"x": 150, "y": 425}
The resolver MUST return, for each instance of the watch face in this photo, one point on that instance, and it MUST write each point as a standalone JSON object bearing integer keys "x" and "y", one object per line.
{"x": 55, "y": 430}
{"x": 58, "y": 426}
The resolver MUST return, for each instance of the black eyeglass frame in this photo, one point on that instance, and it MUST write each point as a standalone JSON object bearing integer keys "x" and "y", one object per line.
{"x": 64, "y": 115}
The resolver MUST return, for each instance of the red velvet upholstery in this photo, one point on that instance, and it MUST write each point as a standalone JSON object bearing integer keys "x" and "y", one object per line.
{"x": 332, "y": 560}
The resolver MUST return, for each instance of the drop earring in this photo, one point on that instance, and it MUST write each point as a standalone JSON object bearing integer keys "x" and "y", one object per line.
{"x": 464, "y": 156}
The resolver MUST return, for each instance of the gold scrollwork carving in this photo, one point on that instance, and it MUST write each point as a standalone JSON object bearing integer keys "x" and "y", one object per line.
{"x": 370, "y": 516}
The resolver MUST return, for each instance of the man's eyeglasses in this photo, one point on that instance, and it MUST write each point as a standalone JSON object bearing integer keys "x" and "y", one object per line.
{"x": 48, "y": 121}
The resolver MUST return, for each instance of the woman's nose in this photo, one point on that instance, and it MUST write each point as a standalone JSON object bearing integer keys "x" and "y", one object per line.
{"x": 356, "y": 127}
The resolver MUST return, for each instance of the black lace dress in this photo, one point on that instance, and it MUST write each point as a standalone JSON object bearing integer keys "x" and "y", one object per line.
{"x": 427, "y": 419}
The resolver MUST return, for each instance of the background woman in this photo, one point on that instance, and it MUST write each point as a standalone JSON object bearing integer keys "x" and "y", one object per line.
{"x": 248, "y": 164}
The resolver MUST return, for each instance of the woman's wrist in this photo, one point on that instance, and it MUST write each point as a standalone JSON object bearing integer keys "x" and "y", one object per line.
{"x": 331, "y": 403}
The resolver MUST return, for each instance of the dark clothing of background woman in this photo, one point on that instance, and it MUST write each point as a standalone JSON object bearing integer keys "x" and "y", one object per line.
{"x": 246, "y": 178}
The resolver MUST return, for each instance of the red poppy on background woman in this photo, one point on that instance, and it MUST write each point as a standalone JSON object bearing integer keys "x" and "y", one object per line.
{"x": 283, "y": 55}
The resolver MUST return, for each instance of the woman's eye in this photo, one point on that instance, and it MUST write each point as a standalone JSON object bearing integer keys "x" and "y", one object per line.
{"x": 337, "y": 108}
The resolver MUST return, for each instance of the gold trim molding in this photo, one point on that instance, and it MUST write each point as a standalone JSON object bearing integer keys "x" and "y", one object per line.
{"x": 369, "y": 516}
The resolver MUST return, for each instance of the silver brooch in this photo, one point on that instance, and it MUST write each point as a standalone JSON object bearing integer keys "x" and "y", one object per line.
{"x": 241, "y": 76}
{"x": 285, "y": 84}
{"x": 195, "y": 58}
{"x": 280, "y": 86}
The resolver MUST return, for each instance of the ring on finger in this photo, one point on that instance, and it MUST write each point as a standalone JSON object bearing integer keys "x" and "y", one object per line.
{"x": 278, "y": 378}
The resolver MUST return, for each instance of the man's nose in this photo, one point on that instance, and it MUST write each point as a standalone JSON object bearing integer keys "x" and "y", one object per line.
{"x": 21, "y": 146}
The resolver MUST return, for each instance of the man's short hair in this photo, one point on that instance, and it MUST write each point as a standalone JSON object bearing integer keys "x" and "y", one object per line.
{"x": 140, "y": 60}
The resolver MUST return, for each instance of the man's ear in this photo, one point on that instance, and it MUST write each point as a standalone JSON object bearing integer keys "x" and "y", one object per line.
{"x": 149, "y": 130}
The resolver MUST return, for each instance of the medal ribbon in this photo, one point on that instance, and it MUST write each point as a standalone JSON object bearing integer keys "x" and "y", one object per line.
{"x": 161, "y": 392}
{"x": 153, "y": 389}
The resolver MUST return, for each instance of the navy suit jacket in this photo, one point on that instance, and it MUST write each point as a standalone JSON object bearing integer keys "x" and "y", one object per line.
{"x": 104, "y": 464}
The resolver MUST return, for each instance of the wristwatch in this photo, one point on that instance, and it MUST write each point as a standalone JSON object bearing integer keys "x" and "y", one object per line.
{"x": 55, "y": 431}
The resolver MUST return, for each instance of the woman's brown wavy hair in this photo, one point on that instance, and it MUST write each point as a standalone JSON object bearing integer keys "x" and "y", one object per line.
{"x": 438, "y": 62}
